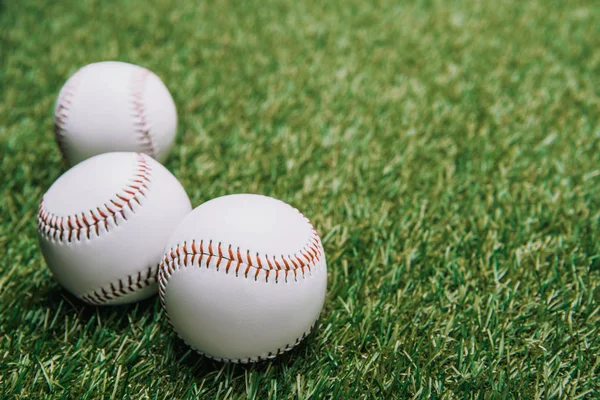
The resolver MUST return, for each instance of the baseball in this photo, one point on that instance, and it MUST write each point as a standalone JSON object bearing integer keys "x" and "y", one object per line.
{"x": 114, "y": 106}
{"x": 243, "y": 278}
{"x": 104, "y": 223}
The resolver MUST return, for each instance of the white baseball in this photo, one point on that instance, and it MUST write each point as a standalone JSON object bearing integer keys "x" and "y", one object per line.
{"x": 104, "y": 223}
{"x": 114, "y": 106}
{"x": 243, "y": 278}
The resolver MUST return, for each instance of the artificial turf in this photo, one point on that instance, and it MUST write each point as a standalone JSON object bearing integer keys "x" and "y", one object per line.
{"x": 448, "y": 152}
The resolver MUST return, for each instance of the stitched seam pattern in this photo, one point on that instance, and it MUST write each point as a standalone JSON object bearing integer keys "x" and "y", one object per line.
{"x": 130, "y": 284}
{"x": 63, "y": 108}
{"x": 277, "y": 268}
{"x": 250, "y": 265}
{"x": 73, "y": 227}
{"x": 244, "y": 261}
{"x": 140, "y": 123}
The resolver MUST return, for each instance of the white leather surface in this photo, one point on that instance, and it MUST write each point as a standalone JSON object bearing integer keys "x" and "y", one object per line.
{"x": 239, "y": 318}
{"x": 132, "y": 243}
{"x": 100, "y": 115}
{"x": 90, "y": 184}
{"x": 249, "y": 221}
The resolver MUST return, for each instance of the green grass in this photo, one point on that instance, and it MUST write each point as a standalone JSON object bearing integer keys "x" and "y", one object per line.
{"x": 448, "y": 152}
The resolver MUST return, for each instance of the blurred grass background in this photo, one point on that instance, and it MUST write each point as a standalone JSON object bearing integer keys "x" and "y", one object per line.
{"x": 446, "y": 151}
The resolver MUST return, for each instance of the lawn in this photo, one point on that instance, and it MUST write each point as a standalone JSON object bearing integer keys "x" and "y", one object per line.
{"x": 448, "y": 153}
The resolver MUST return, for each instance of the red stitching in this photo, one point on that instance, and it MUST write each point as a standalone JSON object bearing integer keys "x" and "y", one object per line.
{"x": 125, "y": 286}
{"x": 295, "y": 262}
{"x": 53, "y": 226}
{"x": 171, "y": 261}
{"x": 142, "y": 126}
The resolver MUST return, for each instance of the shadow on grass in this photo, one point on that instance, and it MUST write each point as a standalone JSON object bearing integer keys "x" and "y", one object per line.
{"x": 118, "y": 319}
{"x": 52, "y": 296}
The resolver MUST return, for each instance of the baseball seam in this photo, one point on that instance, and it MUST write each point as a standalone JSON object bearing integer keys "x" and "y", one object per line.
{"x": 66, "y": 229}
{"x": 63, "y": 108}
{"x": 130, "y": 284}
{"x": 70, "y": 227}
{"x": 140, "y": 123}
{"x": 251, "y": 266}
